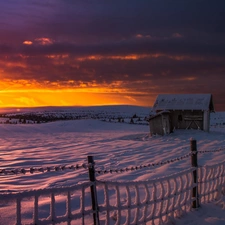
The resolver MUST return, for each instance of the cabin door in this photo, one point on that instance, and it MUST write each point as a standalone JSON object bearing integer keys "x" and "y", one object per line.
{"x": 166, "y": 125}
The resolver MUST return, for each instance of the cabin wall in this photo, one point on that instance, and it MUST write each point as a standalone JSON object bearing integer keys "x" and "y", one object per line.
{"x": 187, "y": 119}
{"x": 160, "y": 125}
{"x": 206, "y": 121}
{"x": 179, "y": 119}
{"x": 156, "y": 126}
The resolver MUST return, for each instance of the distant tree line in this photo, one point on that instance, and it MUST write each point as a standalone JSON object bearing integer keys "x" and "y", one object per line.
{"x": 45, "y": 117}
{"x": 22, "y": 118}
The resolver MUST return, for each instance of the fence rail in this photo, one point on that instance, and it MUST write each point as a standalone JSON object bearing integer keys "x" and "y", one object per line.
{"x": 74, "y": 196}
{"x": 211, "y": 180}
{"x": 143, "y": 201}
{"x": 44, "y": 169}
{"x": 106, "y": 202}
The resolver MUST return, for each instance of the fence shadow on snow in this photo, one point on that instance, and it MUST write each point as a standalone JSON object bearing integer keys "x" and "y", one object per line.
{"x": 106, "y": 202}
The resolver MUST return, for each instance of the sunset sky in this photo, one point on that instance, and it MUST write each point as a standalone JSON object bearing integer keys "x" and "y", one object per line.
{"x": 101, "y": 52}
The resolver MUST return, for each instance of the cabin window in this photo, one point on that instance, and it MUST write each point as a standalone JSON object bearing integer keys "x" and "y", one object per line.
{"x": 180, "y": 118}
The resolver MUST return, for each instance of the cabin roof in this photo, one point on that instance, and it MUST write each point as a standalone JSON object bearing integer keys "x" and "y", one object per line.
{"x": 158, "y": 114}
{"x": 184, "y": 102}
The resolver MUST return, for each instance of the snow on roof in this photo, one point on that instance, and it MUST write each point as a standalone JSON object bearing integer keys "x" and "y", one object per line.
{"x": 158, "y": 114}
{"x": 184, "y": 102}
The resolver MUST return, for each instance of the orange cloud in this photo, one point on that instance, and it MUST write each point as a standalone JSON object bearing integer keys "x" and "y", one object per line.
{"x": 120, "y": 57}
{"x": 131, "y": 99}
{"x": 27, "y": 42}
{"x": 26, "y": 101}
{"x": 177, "y": 35}
{"x": 63, "y": 56}
{"x": 44, "y": 41}
{"x": 142, "y": 36}
{"x": 15, "y": 64}
{"x": 189, "y": 78}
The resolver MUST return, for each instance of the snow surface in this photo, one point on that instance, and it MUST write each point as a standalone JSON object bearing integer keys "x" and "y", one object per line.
{"x": 113, "y": 145}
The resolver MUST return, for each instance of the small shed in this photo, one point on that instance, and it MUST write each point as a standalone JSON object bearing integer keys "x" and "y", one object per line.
{"x": 181, "y": 111}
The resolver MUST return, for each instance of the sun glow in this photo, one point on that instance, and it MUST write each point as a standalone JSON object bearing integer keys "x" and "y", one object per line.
{"x": 60, "y": 98}
{"x": 24, "y": 93}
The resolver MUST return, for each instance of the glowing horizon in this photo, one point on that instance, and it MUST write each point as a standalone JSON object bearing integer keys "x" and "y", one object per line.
{"x": 68, "y": 97}
{"x": 62, "y": 97}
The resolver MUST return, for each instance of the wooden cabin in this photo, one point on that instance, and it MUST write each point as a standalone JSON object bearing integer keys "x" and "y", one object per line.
{"x": 181, "y": 111}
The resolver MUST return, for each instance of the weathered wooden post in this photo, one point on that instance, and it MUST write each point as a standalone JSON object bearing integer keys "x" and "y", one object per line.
{"x": 93, "y": 190}
{"x": 194, "y": 163}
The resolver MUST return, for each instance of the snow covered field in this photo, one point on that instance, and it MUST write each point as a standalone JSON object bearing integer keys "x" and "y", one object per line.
{"x": 114, "y": 145}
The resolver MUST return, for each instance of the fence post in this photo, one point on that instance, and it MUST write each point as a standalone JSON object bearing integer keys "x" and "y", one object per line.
{"x": 93, "y": 190}
{"x": 194, "y": 163}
